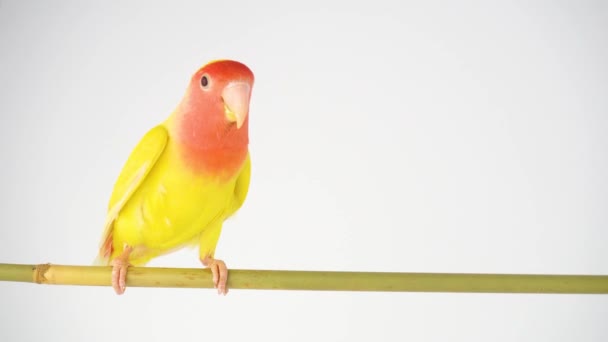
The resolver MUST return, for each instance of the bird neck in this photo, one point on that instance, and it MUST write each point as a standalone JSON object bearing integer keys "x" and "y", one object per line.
{"x": 208, "y": 144}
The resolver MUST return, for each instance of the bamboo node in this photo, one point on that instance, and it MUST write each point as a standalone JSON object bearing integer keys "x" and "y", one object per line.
{"x": 39, "y": 273}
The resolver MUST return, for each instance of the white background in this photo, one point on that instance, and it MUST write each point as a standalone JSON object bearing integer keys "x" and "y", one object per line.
{"x": 384, "y": 137}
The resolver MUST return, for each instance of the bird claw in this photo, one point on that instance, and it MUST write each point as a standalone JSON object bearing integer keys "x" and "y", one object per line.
{"x": 220, "y": 274}
{"x": 119, "y": 271}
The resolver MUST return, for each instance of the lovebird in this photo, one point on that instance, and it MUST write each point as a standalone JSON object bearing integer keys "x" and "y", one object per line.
{"x": 184, "y": 178}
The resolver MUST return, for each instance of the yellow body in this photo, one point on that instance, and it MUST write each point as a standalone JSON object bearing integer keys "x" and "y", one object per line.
{"x": 159, "y": 205}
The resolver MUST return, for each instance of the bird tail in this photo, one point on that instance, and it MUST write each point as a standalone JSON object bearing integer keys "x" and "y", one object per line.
{"x": 106, "y": 246}
{"x": 103, "y": 256}
{"x": 100, "y": 260}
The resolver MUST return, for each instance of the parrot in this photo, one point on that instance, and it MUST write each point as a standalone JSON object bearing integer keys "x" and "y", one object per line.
{"x": 184, "y": 178}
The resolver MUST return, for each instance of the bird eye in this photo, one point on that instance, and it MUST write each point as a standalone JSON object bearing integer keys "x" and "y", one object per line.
{"x": 205, "y": 81}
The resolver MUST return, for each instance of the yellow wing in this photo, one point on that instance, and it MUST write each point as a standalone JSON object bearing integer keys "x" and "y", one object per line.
{"x": 138, "y": 166}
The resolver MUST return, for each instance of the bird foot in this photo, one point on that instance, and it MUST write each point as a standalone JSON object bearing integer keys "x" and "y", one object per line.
{"x": 119, "y": 271}
{"x": 220, "y": 273}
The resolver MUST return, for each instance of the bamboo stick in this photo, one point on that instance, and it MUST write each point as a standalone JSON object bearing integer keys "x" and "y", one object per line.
{"x": 311, "y": 280}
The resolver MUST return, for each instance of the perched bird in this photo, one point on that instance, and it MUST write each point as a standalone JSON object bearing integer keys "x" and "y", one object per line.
{"x": 184, "y": 178}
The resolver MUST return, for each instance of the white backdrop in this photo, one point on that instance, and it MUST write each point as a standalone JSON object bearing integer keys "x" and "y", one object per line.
{"x": 384, "y": 137}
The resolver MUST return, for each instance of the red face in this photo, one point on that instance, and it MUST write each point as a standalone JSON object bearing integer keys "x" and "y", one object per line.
{"x": 225, "y": 86}
{"x": 213, "y": 117}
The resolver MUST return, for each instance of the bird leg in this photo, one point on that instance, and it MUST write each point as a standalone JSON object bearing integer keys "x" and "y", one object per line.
{"x": 220, "y": 273}
{"x": 119, "y": 270}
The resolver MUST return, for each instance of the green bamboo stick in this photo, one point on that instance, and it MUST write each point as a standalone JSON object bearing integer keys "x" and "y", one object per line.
{"x": 311, "y": 280}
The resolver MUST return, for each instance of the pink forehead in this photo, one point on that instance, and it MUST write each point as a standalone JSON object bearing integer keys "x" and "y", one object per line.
{"x": 227, "y": 70}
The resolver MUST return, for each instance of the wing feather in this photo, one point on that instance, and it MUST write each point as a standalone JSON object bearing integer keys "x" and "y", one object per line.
{"x": 134, "y": 172}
